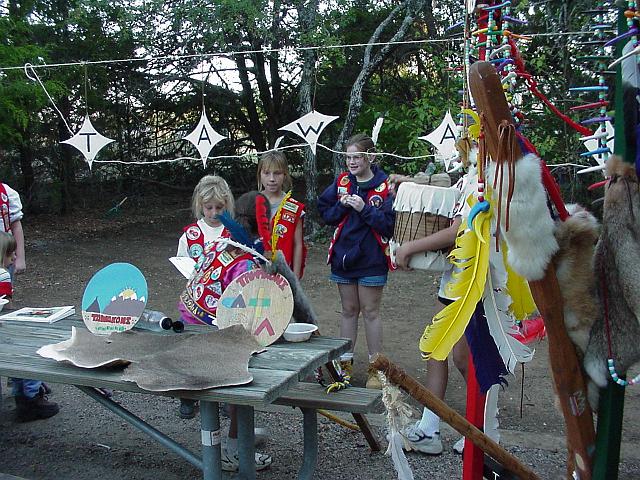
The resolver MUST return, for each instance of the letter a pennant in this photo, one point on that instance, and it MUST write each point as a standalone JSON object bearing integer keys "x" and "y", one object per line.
{"x": 444, "y": 139}
{"x": 88, "y": 141}
{"x": 204, "y": 137}
{"x": 310, "y": 127}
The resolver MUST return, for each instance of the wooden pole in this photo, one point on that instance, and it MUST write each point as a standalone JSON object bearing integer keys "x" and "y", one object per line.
{"x": 568, "y": 376}
{"x": 399, "y": 377}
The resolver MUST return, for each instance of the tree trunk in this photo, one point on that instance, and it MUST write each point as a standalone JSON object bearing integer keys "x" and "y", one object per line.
{"x": 370, "y": 64}
{"x": 26, "y": 167}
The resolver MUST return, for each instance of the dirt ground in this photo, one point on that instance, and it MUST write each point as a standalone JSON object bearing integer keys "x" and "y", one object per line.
{"x": 87, "y": 442}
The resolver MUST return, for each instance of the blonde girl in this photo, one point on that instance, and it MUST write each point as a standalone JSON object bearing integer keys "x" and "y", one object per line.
{"x": 287, "y": 214}
{"x": 211, "y": 197}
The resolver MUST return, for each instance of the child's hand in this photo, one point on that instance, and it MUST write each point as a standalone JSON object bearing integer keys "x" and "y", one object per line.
{"x": 19, "y": 265}
{"x": 402, "y": 258}
{"x": 355, "y": 202}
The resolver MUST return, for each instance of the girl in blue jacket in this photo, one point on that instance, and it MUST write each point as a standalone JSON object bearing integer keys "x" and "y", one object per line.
{"x": 359, "y": 205}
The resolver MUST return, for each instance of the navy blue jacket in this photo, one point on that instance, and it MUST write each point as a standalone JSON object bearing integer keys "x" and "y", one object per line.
{"x": 357, "y": 253}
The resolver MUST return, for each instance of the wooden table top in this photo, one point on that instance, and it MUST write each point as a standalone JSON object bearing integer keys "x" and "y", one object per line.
{"x": 274, "y": 371}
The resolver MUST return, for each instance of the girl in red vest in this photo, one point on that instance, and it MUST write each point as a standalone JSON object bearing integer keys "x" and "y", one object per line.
{"x": 287, "y": 214}
{"x": 211, "y": 197}
{"x": 217, "y": 268}
{"x": 358, "y": 204}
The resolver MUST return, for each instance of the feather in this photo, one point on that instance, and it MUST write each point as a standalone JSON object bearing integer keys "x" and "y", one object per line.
{"x": 489, "y": 367}
{"x": 376, "y": 130}
{"x": 491, "y": 423}
{"x": 237, "y": 231}
{"x": 522, "y": 304}
{"x": 274, "y": 232}
{"x": 471, "y": 255}
{"x": 501, "y": 326}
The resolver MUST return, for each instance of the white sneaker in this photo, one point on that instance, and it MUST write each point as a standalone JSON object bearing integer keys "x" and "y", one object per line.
{"x": 231, "y": 462}
{"x": 419, "y": 441}
{"x": 458, "y": 447}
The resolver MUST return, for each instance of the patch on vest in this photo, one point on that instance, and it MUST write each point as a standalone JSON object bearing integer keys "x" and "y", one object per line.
{"x": 288, "y": 217}
{"x": 195, "y": 250}
{"x": 193, "y": 232}
{"x": 281, "y": 230}
{"x": 292, "y": 207}
{"x": 376, "y": 200}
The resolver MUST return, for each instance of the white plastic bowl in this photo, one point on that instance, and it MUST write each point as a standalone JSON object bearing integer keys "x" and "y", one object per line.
{"x": 3, "y": 302}
{"x": 299, "y": 332}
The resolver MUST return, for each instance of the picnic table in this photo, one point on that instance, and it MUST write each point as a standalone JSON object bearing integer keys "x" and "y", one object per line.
{"x": 275, "y": 372}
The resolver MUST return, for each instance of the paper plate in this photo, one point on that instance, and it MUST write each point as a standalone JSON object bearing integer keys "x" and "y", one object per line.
{"x": 262, "y": 303}
{"x": 114, "y": 299}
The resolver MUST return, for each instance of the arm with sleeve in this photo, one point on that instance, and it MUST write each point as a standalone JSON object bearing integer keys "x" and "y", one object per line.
{"x": 329, "y": 206}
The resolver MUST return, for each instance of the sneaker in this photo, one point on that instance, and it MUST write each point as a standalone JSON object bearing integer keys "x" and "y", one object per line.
{"x": 458, "y": 447}
{"x": 36, "y": 408}
{"x": 419, "y": 441}
{"x": 187, "y": 408}
{"x": 231, "y": 461}
{"x": 373, "y": 381}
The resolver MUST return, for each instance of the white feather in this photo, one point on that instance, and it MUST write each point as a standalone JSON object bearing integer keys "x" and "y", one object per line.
{"x": 491, "y": 423}
{"x": 376, "y": 130}
{"x": 499, "y": 320}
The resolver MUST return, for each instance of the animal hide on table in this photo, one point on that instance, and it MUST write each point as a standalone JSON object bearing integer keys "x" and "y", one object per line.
{"x": 530, "y": 236}
{"x": 577, "y": 237}
{"x": 160, "y": 363}
{"x": 617, "y": 270}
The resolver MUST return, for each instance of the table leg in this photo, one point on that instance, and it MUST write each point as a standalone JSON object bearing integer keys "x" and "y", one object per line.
{"x": 310, "y": 458}
{"x": 211, "y": 438}
{"x": 246, "y": 442}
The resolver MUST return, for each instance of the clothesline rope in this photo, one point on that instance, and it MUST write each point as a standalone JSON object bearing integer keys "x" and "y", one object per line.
{"x": 150, "y": 58}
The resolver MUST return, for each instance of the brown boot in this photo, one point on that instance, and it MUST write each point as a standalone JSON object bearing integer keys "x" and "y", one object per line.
{"x": 36, "y": 408}
{"x": 373, "y": 381}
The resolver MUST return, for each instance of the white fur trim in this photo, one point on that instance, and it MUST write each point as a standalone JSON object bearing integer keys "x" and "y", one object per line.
{"x": 530, "y": 237}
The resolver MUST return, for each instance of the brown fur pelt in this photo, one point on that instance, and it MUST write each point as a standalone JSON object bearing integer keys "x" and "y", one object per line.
{"x": 617, "y": 271}
{"x": 577, "y": 237}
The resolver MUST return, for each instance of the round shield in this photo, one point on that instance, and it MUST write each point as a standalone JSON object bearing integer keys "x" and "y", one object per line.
{"x": 114, "y": 299}
{"x": 260, "y": 302}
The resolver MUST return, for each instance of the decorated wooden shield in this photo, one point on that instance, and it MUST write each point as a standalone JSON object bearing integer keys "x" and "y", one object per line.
{"x": 114, "y": 299}
{"x": 262, "y": 303}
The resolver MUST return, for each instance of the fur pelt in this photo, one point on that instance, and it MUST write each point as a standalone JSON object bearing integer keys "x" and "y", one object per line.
{"x": 577, "y": 237}
{"x": 617, "y": 271}
{"x": 530, "y": 237}
{"x": 302, "y": 310}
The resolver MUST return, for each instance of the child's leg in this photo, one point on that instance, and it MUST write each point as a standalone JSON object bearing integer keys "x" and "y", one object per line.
{"x": 369, "y": 299}
{"x": 350, "y": 312}
{"x": 461, "y": 357}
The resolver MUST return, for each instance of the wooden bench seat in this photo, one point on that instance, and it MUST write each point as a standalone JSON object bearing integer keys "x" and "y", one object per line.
{"x": 352, "y": 399}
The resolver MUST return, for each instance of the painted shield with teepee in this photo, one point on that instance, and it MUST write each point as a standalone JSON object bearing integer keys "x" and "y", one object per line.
{"x": 261, "y": 302}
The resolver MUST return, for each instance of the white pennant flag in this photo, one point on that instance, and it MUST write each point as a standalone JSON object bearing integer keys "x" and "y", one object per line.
{"x": 88, "y": 141}
{"x": 204, "y": 137}
{"x": 309, "y": 127}
{"x": 444, "y": 139}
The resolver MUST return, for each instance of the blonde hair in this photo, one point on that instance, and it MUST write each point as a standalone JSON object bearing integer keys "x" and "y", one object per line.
{"x": 8, "y": 245}
{"x": 211, "y": 188}
{"x": 362, "y": 142}
{"x": 274, "y": 161}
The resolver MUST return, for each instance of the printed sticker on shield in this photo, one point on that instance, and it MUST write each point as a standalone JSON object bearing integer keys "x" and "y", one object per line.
{"x": 114, "y": 299}
{"x": 262, "y": 303}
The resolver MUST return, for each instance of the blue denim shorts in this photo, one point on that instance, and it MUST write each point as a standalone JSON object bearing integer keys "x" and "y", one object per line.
{"x": 371, "y": 281}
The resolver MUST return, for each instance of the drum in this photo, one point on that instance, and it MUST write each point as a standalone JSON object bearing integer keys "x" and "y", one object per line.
{"x": 422, "y": 210}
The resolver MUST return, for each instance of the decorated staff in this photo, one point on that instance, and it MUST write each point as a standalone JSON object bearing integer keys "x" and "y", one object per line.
{"x": 535, "y": 263}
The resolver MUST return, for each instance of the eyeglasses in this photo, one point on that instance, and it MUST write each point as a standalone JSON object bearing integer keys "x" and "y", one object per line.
{"x": 358, "y": 156}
